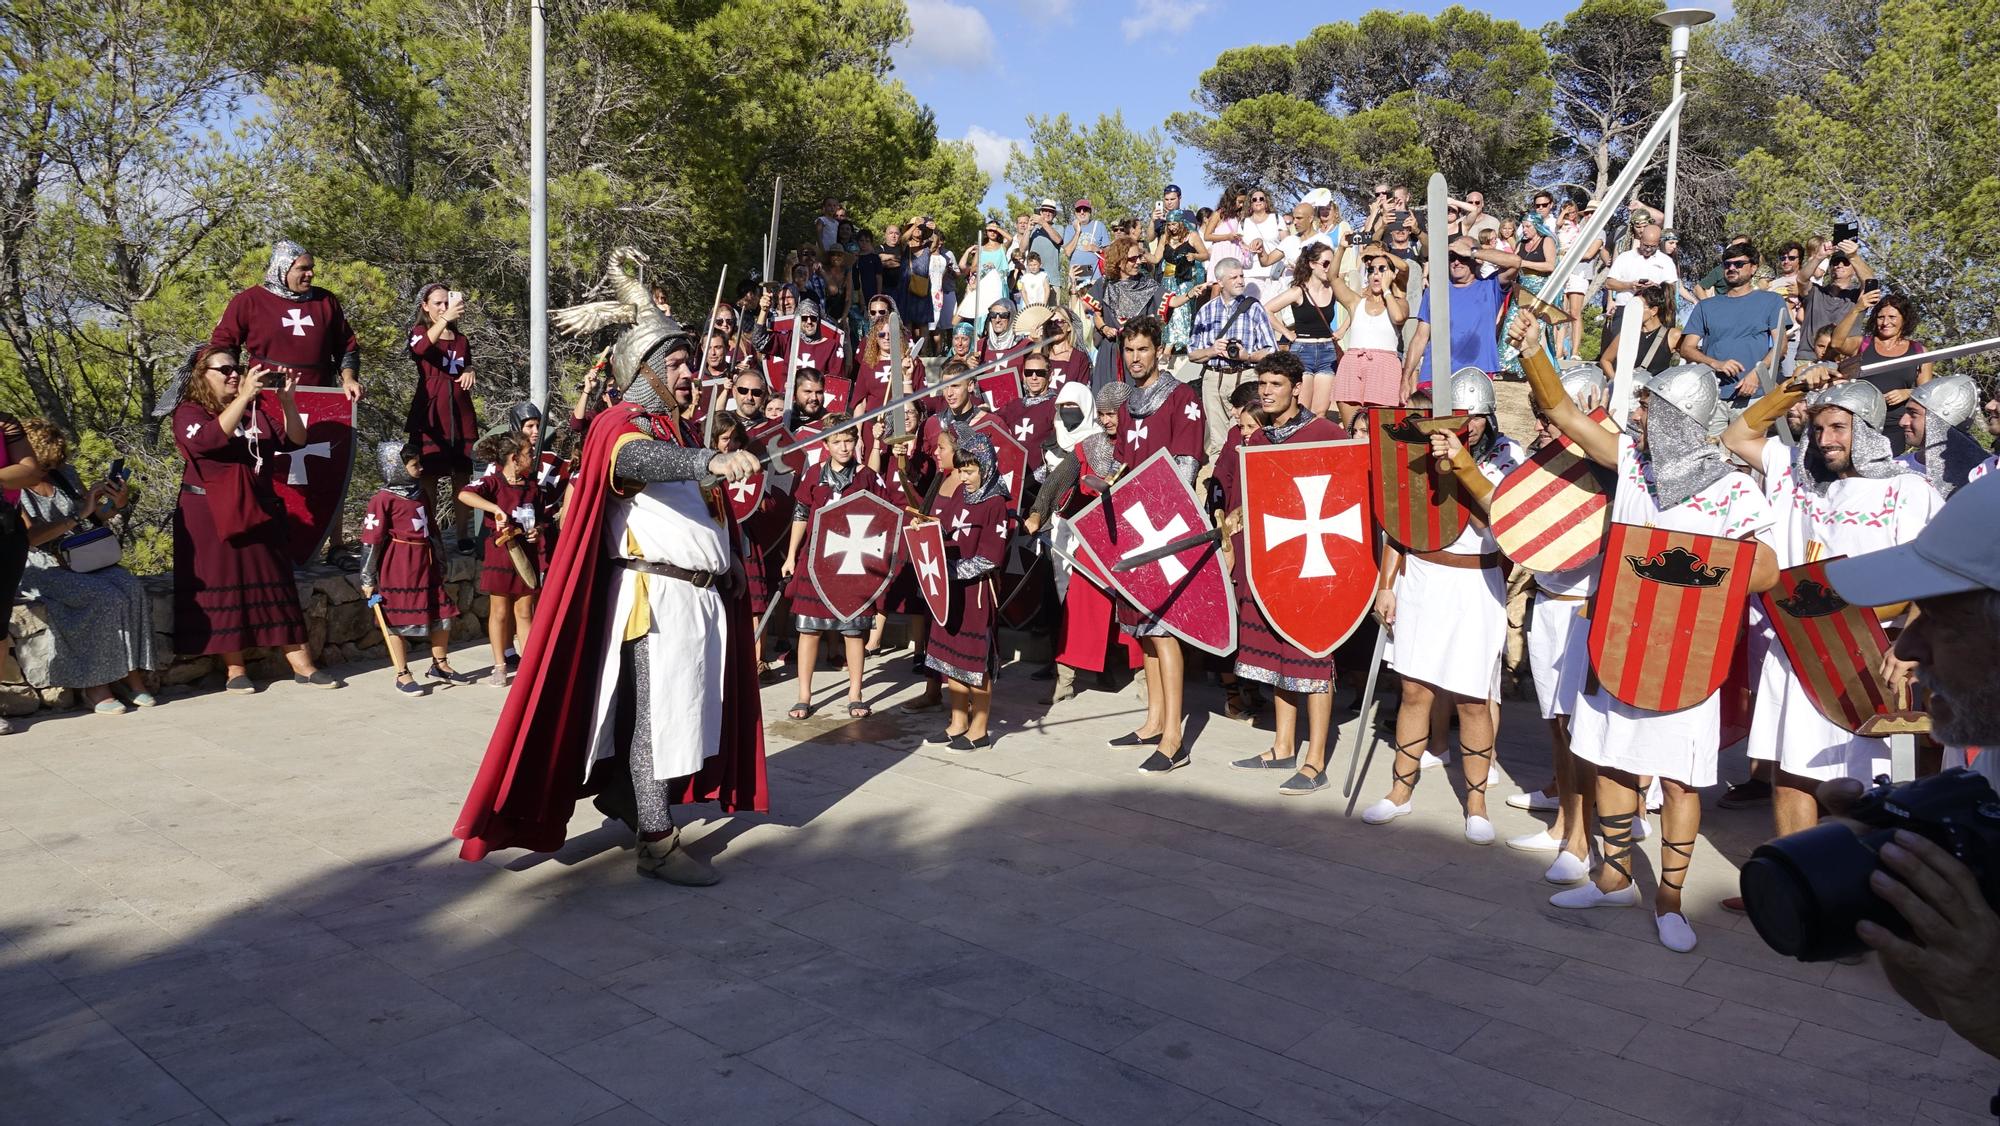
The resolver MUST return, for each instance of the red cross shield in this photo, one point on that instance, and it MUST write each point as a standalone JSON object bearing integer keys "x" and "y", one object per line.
{"x": 923, "y": 546}
{"x": 807, "y": 453}
{"x": 1189, "y": 592}
{"x": 311, "y": 481}
{"x": 1309, "y": 555}
{"x": 743, "y": 496}
{"x": 1011, "y": 454}
{"x": 850, "y": 548}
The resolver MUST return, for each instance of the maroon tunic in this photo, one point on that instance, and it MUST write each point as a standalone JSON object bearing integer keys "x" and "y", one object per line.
{"x": 963, "y": 646}
{"x": 826, "y": 353}
{"x": 233, "y": 586}
{"x": 1031, "y": 424}
{"x": 441, "y": 424}
{"x": 408, "y": 575}
{"x": 767, "y": 530}
{"x": 310, "y": 336}
{"x": 1174, "y": 426}
{"x": 1261, "y": 655}
{"x": 1075, "y": 366}
{"x": 910, "y": 489}
{"x": 525, "y": 506}
{"x": 809, "y": 613}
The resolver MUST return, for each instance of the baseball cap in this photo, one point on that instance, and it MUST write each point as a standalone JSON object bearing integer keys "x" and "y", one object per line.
{"x": 1083, "y": 203}
{"x": 1047, "y": 205}
{"x": 1952, "y": 555}
{"x": 1174, "y": 188}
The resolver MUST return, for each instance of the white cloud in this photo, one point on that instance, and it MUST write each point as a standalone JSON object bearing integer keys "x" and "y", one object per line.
{"x": 990, "y": 150}
{"x": 1163, "y": 17}
{"x": 948, "y": 36}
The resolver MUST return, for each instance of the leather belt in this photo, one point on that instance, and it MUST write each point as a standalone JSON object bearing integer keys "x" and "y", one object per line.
{"x": 1562, "y": 597}
{"x": 1463, "y": 562}
{"x": 695, "y": 578}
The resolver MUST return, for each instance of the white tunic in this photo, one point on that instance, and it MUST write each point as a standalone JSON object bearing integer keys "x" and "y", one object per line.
{"x": 1680, "y": 745}
{"x": 1451, "y": 622}
{"x": 688, "y": 631}
{"x": 1857, "y": 515}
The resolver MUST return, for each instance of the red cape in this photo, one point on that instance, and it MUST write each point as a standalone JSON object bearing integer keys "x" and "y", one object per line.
{"x": 533, "y": 773}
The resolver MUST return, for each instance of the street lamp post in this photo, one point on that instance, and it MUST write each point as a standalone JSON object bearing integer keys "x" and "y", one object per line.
{"x": 1682, "y": 21}
{"x": 538, "y": 210}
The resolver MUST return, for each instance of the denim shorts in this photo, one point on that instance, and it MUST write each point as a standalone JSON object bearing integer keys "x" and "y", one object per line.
{"x": 1317, "y": 356}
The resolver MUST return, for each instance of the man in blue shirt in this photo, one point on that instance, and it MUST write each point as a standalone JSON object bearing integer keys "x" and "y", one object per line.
{"x": 1475, "y": 316}
{"x": 1084, "y": 239}
{"x": 1737, "y": 331}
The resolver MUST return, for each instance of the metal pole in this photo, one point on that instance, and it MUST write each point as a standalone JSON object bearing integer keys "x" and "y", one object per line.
{"x": 1682, "y": 21}
{"x": 538, "y": 210}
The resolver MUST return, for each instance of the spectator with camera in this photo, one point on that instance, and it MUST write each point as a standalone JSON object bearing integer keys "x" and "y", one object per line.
{"x": 1738, "y": 331}
{"x": 1084, "y": 240}
{"x": 1640, "y": 264}
{"x": 1946, "y": 960}
{"x": 100, "y": 635}
{"x": 1232, "y": 332}
{"x": 233, "y": 583}
{"x": 1833, "y": 284}
{"x": 440, "y": 424}
{"x": 1891, "y": 318}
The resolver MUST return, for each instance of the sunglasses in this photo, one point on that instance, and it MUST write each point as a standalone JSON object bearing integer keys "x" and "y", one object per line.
{"x": 751, "y": 392}
{"x": 1379, "y": 193}
{"x": 1134, "y": 258}
{"x": 1543, "y": 205}
{"x": 720, "y": 323}
{"x": 1381, "y": 268}
{"x": 808, "y": 317}
{"x": 998, "y": 315}
{"x": 1260, "y": 199}
{"x": 1736, "y": 263}
{"x": 229, "y": 369}
{"x": 1476, "y": 202}
{"x": 1793, "y": 256}
{"x": 1035, "y": 371}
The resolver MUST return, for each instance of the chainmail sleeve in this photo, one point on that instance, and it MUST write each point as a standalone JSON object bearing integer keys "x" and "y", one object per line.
{"x": 1186, "y": 467}
{"x": 371, "y": 565}
{"x": 967, "y": 569}
{"x": 1060, "y": 482}
{"x": 652, "y": 460}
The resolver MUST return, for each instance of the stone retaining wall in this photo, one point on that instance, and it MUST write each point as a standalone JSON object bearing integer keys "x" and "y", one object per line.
{"x": 340, "y": 629}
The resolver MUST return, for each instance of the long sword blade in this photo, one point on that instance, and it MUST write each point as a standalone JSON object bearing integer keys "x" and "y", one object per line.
{"x": 1621, "y": 189}
{"x": 1365, "y": 722}
{"x": 869, "y": 416}
{"x": 714, "y": 396}
{"x": 1437, "y": 285}
{"x": 1139, "y": 559}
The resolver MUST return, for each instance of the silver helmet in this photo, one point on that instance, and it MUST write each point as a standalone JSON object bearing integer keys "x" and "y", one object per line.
{"x": 1950, "y": 399}
{"x": 1691, "y": 388}
{"x": 633, "y": 305}
{"x": 1857, "y": 397}
{"x": 1472, "y": 391}
{"x": 1582, "y": 381}
{"x": 389, "y": 457}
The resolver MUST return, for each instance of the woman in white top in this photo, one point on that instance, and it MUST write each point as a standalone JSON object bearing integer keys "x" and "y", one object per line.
{"x": 1578, "y": 286}
{"x": 1366, "y": 370}
{"x": 1261, "y": 233}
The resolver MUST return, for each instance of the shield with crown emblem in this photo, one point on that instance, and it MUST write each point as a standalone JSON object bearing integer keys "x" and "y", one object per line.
{"x": 1835, "y": 647}
{"x": 1668, "y": 613}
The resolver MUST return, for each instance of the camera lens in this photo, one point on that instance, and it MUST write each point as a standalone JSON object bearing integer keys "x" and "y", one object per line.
{"x": 1805, "y": 892}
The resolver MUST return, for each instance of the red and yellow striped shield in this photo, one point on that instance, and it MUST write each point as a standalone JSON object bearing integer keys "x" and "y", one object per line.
{"x": 1550, "y": 513}
{"x": 1836, "y": 648}
{"x": 1668, "y": 613}
{"x": 1420, "y": 508}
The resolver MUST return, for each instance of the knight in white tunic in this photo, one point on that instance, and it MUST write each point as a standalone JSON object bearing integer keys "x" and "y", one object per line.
{"x": 1670, "y": 475}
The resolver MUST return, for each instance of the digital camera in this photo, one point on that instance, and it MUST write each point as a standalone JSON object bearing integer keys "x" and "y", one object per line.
{"x": 1806, "y": 891}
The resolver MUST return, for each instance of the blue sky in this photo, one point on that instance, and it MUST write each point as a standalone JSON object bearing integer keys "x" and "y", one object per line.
{"x": 985, "y": 65}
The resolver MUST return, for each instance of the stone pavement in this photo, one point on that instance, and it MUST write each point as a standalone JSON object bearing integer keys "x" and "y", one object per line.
{"x": 249, "y": 910}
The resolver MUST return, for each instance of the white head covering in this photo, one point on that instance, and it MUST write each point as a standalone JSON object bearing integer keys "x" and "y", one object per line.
{"x": 1076, "y": 394}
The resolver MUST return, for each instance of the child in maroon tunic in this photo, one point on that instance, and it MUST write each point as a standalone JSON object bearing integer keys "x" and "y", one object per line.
{"x": 962, "y": 648}
{"x": 512, "y": 495}
{"x": 835, "y": 476}
{"x": 402, "y": 570}
{"x": 907, "y": 470}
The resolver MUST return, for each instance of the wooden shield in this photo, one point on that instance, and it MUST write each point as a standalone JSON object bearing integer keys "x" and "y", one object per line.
{"x": 1309, "y": 558}
{"x": 809, "y": 454}
{"x": 1012, "y": 455}
{"x": 744, "y": 496}
{"x": 923, "y": 546}
{"x": 850, "y": 551}
{"x": 1550, "y": 513}
{"x": 1190, "y": 592}
{"x": 1420, "y": 508}
{"x": 311, "y": 481}
{"x": 1669, "y": 611}
{"x": 1835, "y": 647}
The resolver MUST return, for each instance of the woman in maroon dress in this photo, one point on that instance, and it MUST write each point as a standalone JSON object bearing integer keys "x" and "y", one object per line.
{"x": 512, "y": 495}
{"x": 402, "y": 559}
{"x": 233, "y": 587}
{"x": 962, "y": 648}
{"x": 1301, "y": 680}
{"x": 441, "y": 424}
